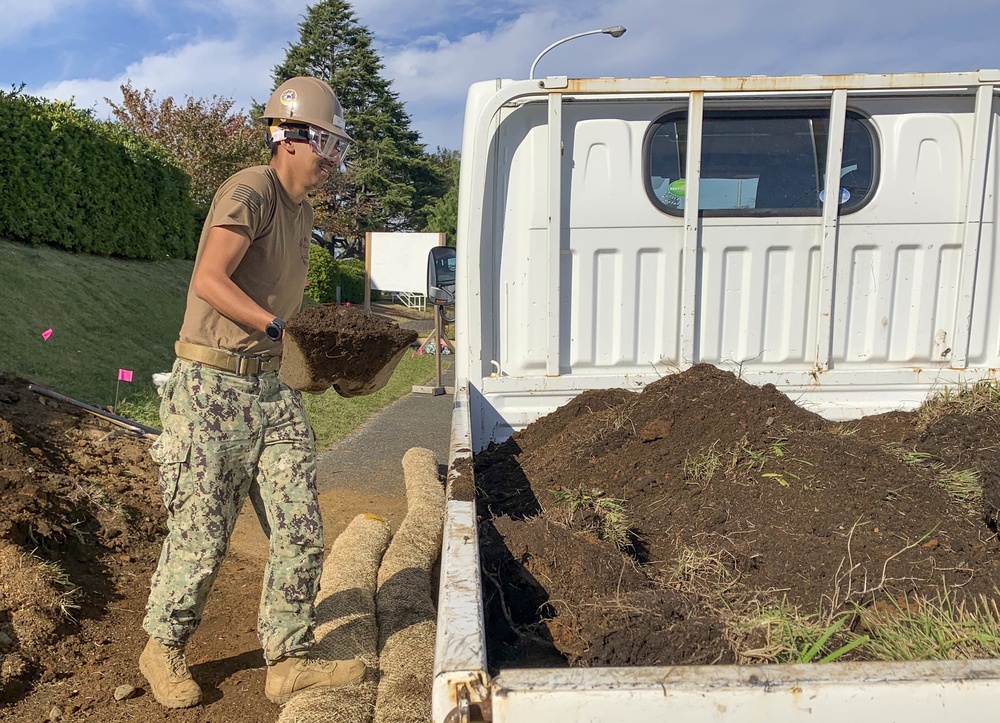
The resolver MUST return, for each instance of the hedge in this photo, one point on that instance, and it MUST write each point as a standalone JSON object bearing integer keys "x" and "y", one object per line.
{"x": 327, "y": 273}
{"x": 70, "y": 181}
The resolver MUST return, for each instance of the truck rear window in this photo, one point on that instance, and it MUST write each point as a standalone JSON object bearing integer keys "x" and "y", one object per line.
{"x": 760, "y": 163}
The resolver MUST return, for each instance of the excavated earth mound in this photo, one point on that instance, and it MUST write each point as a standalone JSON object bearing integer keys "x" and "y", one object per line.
{"x": 600, "y": 521}
{"x": 81, "y": 524}
{"x": 79, "y": 514}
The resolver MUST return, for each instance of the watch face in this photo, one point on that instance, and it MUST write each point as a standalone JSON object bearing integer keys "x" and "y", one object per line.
{"x": 273, "y": 332}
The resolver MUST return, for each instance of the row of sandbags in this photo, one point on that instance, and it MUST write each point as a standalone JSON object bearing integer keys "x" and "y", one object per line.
{"x": 375, "y": 604}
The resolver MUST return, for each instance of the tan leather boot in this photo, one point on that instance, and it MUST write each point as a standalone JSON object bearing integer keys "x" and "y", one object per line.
{"x": 293, "y": 675}
{"x": 168, "y": 676}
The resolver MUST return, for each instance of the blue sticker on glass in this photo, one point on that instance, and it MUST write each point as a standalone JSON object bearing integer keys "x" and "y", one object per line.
{"x": 845, "y": 195}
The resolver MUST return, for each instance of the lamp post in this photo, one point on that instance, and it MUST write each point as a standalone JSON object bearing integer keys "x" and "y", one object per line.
{"x": 615, "y": 31}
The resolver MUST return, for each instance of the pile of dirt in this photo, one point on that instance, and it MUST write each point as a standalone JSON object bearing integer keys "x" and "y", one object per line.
{"x": 328, "y": 344}
{"x": 79, "y": 513}
{"x": 609, "y": 526}
{"x": 81, "y": 525}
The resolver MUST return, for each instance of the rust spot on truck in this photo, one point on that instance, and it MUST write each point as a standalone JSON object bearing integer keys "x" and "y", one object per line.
{"x": 772, "y": 84}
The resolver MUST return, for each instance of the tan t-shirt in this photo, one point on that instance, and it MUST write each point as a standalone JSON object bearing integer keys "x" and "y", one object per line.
{"x": 273, "y": 271}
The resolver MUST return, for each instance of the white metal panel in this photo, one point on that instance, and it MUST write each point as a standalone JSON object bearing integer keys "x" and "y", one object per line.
{"x": 554, "y": 236}
{"x": 831, "y": 219}
{"x": 924, "y": 144}
{"x": 897, "y": 296}
{"x": 759, "y": 286}
{"x": 605, "y": 160}
{"x": 757, "y": 277}
{"x": 460, "y": 648}
{"x": 622, "y": 311}
{"x": 460, "y": 645}
{"x": 690, "y": 311}
{"x": 984, "y": 336}
{"x": 927, "y": 692}
{"x": 972, "y": 226}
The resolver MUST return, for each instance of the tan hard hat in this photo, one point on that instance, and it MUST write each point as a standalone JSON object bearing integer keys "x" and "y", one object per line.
{"x": 308, "y": 101}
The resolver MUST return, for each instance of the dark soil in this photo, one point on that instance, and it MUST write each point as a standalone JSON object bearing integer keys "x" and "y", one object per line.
{"x": 796, "y": 508}
{"x": 344, "y": 345}
{"x": 82, "y": 494}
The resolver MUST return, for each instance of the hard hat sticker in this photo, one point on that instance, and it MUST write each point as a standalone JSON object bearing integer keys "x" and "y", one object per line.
{"x": 288, "y": 97}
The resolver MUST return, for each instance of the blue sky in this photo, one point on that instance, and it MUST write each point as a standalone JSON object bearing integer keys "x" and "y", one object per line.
{"x": 433, "y": 49}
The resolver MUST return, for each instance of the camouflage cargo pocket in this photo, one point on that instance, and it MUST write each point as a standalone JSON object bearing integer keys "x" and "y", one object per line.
{"x": 171, "y": 454}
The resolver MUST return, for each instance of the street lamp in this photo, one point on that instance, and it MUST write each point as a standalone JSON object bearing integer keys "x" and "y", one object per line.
{"x": 615, "y": 31}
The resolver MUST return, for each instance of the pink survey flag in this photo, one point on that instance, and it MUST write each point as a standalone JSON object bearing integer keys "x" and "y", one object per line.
{"x": 124, "y": 375}
{"x": 46, "y": 334}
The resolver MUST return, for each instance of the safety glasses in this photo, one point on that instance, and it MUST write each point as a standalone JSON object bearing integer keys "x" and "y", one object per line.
{"x": 327, "y": 145}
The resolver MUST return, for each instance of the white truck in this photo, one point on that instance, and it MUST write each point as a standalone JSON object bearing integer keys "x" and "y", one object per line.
{"x": 835, "y": 236}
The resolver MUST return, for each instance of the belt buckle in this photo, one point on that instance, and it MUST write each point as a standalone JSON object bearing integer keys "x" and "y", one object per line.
{"x": 245, "y": 365}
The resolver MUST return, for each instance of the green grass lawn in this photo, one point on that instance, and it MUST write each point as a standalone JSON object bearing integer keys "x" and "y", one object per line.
{"x": 110, "y": 314}
{"x": 334, "y": 417}
{"x": 105, "y": 315}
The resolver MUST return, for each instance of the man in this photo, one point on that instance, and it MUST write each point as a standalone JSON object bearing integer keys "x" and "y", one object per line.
{"x": 228, "y": 421}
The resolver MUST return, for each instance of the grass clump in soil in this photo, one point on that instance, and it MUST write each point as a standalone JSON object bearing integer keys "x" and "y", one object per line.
{"x": 592, "y": 510}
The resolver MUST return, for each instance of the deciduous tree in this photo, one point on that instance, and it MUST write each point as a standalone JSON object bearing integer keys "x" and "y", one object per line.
{"x": 203, "y": 136}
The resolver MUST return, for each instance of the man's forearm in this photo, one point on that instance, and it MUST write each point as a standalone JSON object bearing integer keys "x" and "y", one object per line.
{"x": 229, "y": 300}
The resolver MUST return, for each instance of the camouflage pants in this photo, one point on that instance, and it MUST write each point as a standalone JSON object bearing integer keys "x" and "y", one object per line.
{"x": 222, "y": 432}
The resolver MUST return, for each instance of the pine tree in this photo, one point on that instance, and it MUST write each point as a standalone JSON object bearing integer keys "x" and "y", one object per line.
{"x": 442, "y": 213}
{"x": 390, "y": 180}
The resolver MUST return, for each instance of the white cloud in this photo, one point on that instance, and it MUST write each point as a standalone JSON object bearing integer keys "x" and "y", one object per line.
{"x": 246, "y": 76}
{"x": 233, "y": 58}
{"x": 432, "y": 71}
{"x": 434, "y": 49}
{"x": 19, "y": 18}
{"x": 396, "y": 22}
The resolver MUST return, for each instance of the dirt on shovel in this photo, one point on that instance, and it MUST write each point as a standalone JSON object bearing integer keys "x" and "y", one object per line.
{"x": 341, "y": 346}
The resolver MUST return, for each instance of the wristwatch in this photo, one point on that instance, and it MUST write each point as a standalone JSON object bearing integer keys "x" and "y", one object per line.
{"x": 274, "y": 329}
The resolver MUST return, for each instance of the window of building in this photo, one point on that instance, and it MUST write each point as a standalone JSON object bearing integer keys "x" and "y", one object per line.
{"x": 760, "y": 163}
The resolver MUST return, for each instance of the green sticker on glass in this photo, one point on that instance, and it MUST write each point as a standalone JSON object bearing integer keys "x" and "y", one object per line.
{"x": 678, "y": 187}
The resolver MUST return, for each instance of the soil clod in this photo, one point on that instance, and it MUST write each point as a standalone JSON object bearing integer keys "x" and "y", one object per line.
{"x": 328, "y": 345}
